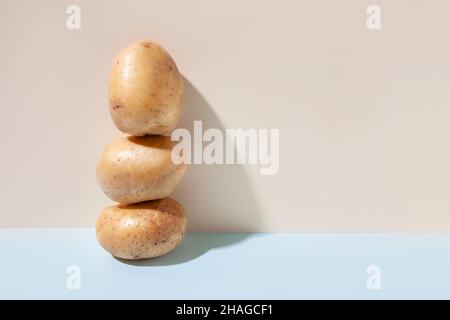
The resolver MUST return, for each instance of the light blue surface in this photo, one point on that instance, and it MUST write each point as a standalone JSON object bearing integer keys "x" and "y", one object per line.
{"x": 228, "y": 266}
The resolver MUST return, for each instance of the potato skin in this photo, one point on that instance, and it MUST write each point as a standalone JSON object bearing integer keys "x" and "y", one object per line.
{"x": 145, "y": 90}
{"x": 135, "y": 169}
{"x": 142, "y": 230}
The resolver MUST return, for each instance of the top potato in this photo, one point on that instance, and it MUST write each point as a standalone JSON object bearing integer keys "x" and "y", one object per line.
{"x": 145, "y": 90}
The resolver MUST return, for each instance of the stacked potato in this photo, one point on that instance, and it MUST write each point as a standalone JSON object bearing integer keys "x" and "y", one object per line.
{"x": 145, "y": 93}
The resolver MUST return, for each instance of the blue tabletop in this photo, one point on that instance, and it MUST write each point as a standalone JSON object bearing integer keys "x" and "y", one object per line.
{"x": 69, "y": 264}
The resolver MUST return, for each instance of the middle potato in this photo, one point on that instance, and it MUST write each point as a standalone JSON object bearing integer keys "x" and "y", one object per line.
{"x": 135, "y": 169}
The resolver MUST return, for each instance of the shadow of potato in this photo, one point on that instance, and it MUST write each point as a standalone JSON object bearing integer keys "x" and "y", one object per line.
{"x": 217, "y": 198}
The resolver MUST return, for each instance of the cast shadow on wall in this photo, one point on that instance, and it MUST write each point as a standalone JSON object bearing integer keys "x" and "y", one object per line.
{"x": 217, "y": 198}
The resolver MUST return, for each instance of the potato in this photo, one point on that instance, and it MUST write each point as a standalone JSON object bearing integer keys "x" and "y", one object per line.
{"x": 135, "y": 169}
{"x": 142, "y": 230}
{"x": 145, "y": 90}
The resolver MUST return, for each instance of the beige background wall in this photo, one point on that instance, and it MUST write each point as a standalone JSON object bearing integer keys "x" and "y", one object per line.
{"x": 363, "y": 115}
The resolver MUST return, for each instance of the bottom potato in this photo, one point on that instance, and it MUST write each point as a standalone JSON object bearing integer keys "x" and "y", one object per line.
{"x": 141, "y": 230}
